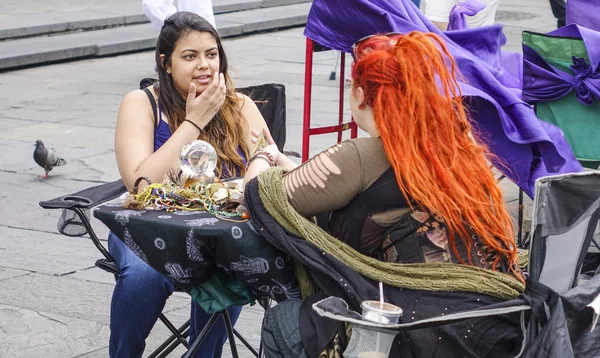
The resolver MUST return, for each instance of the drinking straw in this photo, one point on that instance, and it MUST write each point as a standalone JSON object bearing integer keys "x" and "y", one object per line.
{"x": 380, "y": 299}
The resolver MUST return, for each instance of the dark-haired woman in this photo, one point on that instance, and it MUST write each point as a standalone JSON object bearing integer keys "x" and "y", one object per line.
{"x": 194, "y": 99}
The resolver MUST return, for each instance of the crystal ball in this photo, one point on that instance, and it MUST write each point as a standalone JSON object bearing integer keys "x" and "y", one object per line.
{"x": 198, "y": 158}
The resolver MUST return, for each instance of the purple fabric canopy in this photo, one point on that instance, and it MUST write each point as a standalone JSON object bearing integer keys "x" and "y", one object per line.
{"x": 544, "y": 82}
{"x": 487, "y": 47}
{"x": 529, "y": 147}
{"x": 460, "y": 11}
{"x": 584, "y": 13}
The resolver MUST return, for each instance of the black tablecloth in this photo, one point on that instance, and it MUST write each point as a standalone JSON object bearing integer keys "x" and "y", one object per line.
{"x": 189, "y": 247}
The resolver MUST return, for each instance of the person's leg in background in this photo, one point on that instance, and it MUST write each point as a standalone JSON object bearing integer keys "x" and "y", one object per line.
{"x": 138, "y": 299}
{"x": 212, "y": 346}
{"x": 417, "y": 3}
{"x": 158, "y": 10}
{"x": 203, "y": 8}
{"x": 559, "y": 10}
{"x": 438, "y": 12}
{"x": 485, "y": 17}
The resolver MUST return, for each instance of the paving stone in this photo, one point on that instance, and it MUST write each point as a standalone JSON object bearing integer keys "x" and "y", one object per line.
{"x": 49, "y": 254}
{"x": 100, "y": 353}
{"x": 28, "y": 333}
{"x": 37, "y": 19}
{"x": 17, "y": 155}
{"x": 24, "y": 211}
{"x": 96, "y": 168}
{"x": 116, "y": 40}
{"x": 6, "y": 273}
{"x": 94, "y": 274}
{"x": 58, "y": 295}
{"x": 66, "y": 296}
{"x": 60, "y": 133}
{"x": 7, "y": 123}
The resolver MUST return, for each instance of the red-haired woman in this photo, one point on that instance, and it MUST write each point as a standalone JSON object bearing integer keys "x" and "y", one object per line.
{"x": 423, "y": 167}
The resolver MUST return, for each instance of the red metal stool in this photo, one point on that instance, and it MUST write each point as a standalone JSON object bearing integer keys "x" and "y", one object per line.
{"x": 307, "y": 130}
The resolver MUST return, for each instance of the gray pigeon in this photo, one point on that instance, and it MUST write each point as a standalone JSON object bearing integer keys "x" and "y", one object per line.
{"x": 46, "y": 158}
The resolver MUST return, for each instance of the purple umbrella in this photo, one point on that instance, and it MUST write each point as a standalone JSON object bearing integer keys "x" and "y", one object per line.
{"x": 530, "y": 148}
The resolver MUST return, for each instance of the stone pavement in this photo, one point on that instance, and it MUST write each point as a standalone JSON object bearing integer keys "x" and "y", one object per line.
{"x": 53, "y": 301}
{"x": 35, "y": 32}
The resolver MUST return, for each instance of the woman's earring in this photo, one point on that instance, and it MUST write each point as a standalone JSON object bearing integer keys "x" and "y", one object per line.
{"x": 168, "y": 72}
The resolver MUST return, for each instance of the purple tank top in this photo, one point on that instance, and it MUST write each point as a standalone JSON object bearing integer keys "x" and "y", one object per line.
{"x": 163, "y": 133}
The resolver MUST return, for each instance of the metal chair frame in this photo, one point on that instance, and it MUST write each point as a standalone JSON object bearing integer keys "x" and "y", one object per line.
{"x": 79, "y": 204}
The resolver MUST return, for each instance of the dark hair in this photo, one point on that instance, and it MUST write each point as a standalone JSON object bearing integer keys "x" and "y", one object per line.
{"x": 225, "y": 132}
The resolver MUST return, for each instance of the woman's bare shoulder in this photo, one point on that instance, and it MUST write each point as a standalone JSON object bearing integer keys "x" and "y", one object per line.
{"x": 242, "y": 96}
{"x": 243, "y": 101}
{"x": 250, "y": 112}
{"x": 137, "y": 96}
{"x": 136, "y": 99}
{"x": 136, "y": 106}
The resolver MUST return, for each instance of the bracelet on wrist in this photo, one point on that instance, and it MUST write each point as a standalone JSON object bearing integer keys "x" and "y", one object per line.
{"x": 269, "y": 156}
{"x": 194, "y": 124}
{"x": 260, "y": 157}
{"x": 263, "y": 155}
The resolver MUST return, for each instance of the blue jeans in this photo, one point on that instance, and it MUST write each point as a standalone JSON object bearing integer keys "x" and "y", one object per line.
{"x": 138, "y": 299}
{"x": 416, "y": 2}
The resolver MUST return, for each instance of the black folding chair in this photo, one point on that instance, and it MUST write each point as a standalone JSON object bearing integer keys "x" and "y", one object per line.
{"x": 75, "y": 221}
{"x": 566, "y": 215}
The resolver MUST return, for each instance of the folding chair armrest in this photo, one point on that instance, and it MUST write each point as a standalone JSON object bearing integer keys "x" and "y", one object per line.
{"x": 87, "y": 198}
{"x": 108, "y": 266}
{"x": 337, "y": 309}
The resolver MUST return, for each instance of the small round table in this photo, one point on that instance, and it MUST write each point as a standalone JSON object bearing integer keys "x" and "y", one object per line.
{"x": 191, "y": 246}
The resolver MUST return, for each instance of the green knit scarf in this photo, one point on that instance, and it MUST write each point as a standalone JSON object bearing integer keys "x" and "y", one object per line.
{"x": 447, "y": 277}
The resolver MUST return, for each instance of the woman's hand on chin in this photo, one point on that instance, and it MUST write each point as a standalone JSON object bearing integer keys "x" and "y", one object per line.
{"x": 202, "y": 109}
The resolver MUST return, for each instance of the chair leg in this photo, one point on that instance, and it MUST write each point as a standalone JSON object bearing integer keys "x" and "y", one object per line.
{"x": 333, "y": 73}
{"x": 245, "y": 342}
{"x": 230, "y": 334}
{"x": 520, "y": 220}
{"x": 265, "y": 303}
{"x": 178, "y": 337}
{"x": 90, "y": 231}
{"x": 196, "y": 344}
{"x": 176, "y": 332}
{"x": 166, "y": 351}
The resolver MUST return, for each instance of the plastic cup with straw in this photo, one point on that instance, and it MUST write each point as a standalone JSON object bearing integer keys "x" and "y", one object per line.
{"x": 380, "y": 311}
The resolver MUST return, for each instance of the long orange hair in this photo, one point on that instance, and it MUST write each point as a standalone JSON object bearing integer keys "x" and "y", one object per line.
{"x": 410, "y": 83}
